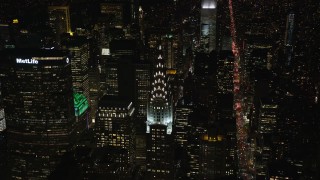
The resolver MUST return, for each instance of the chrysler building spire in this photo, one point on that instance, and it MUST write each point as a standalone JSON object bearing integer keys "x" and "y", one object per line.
{"x": 159, "y": 107}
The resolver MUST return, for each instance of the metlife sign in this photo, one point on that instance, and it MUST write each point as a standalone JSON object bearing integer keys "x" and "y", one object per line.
{"x": 26, "y": 61}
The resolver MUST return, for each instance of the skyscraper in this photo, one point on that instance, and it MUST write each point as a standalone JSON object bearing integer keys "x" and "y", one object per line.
{"x": 38, "y": 103}
{"x": 159, "y": 107}
{"x": 142, "y": 86}
{"x": 2, "y": 120}
{"x": 289, "y": 37}
{"x": 143, "y": 77}
{"x": 114, "y": 124}
{"x": 159, "y": 153}
{"x": 225, "y": 72}
{"x": 180, "y": 130}
{"x": 208, "y": 25}
{"x": 59, "y": 21}
{"x": 79, "y": 51}
{"x": 159, "y": 124}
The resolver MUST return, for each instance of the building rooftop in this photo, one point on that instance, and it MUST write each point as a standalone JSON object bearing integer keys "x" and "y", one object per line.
{"x": 114, "y": 101}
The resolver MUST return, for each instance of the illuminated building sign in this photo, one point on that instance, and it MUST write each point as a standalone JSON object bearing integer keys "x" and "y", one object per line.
{"x": 80, "y": 104}
{"x": 35, "y": 60}
{"x": 26, "y": 61}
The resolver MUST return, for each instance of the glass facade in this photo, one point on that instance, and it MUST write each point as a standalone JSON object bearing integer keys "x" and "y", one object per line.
{"x": 38, "y": 104}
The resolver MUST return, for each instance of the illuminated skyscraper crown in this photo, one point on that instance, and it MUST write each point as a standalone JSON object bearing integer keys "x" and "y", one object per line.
{"x": 159, "y": 107}
{"x": 159, "y": 89}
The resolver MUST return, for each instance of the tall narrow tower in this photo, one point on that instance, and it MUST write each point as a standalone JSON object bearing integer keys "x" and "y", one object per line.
{"x": 208, "y": 25}
{"x": 159, "y": 124}
{"x": 289, "y": 38}
{"x": 159, "y": 107}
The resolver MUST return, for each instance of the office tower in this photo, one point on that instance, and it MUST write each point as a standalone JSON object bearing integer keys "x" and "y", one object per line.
{"x": 225, "y": 119}
{"x": 4, "y": 35}
{"x": 257, "y": 56}
{"x": 170, "y": 43}
{"x": 197, "y": 123}
{"x": 225, "y": 72}
{"x": 142, "y": 77}
{"x": 114, "y": 10}
{"x": 118, "y": 67}
{"x": 180, "y": 125}
{"x": 94, "y": 91}
{"x": 38, "y": 104}
{"x": 266, "y": 128}
{"x": 208, "y": 25}
{"x": 59, "y": 21}
{"x": 204, "y": 71}
{"x": 288, "y": 41}
{"x": 171, "y": 48}
{"x": 143, "y": 86}
{"x": 114, "y": 124}
{"x": 119, "y": 77}
{"x": 159, "y": 124}
{"x": 2, "y": 119}
{"x": 111, "y": 80}
{"x": 159, "y": 153}
{"x": 289, "y": 30}
{"x": 159, "y": 107}
{"x": 120, "y": 12}
{"x": 213, "y": 155}
{"x": 78, "y": 48}
{"x": 267, "y": 116}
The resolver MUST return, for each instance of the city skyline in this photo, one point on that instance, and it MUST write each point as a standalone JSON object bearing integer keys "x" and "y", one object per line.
{"x": 170, "y": 89}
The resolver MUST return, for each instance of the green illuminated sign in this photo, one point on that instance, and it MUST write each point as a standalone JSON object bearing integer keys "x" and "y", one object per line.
{"x": 80, "y": 103}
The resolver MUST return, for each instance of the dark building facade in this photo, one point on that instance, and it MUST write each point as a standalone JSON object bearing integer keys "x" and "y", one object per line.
{"x": 38, "y": 103}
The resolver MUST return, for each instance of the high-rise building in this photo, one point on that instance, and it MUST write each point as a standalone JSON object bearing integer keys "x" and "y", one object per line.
{"x": 159, "y": 107}
{"x": 196, "y": 125}
{"x": 59, "y": 20}
{"x": 267, "y": 116}
{"x": 267, "y": 127}
{"x": 213, "y": 156}
{"x": 159, "y": 124}
{"x": 226, "y": 120}
{"x": 180, "y": 126}
{"x": 38, "y": 104}
{"x": 78, "y": 48}
{"x": 208, "y": 25}
{"x": 114, "y": 124}
{"x": 225, "y": 72}
{"x": 159, "y": 153}
{"x": 289, "y": 38}
{"x": 2, "y": 120}
{"x": 114, "y": 10}
{"x": 94, "y": 91}
{"x": 142, "y": 86}
{"x": 112, "y": 84}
